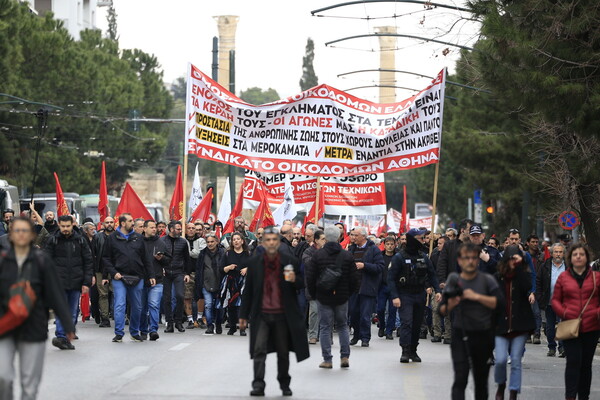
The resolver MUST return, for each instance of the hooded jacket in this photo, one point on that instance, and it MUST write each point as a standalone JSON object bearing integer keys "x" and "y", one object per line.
{"x": 73, "y": 259}
{"x": 370, "y": 275}
{"x": 326, "y": 258}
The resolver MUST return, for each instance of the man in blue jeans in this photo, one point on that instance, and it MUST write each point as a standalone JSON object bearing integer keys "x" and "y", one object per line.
{"x": 125, "y": 261}
{"x": 74, "y": 264}
{"x": 332, "y": 304}
{"x": 546, "y": 280}
{"x": 156, "y": 250}
{"x": 208, "y": 282}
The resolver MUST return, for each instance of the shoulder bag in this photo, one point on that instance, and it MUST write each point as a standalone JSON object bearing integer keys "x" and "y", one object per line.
{"x": 569, "y": 329}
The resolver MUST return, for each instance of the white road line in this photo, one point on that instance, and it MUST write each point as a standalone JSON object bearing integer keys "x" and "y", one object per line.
{"x": 135, "y": 372}
{"x": 179, "y": 347}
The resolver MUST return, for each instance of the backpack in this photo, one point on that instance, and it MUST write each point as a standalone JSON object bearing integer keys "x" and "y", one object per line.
{"x": 329, "y": 278}
{"x": 21, "y": 300}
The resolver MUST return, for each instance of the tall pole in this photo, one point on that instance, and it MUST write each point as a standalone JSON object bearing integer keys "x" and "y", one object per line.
{"x": 434, "y": 205}
{"x": 232, "y": 90}
{"x": 317, "y": 205}
{"x": 215, "y": 76}
{"x": 42, "y": 116}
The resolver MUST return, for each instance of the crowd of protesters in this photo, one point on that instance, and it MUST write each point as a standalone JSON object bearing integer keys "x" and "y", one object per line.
{"x": 296, "y": 287}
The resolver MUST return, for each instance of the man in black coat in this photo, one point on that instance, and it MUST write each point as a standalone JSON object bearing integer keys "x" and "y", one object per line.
{"x": 208, "y": 283}
{"x": 97, "y": 252}
{"x": 370, "y": 264}
{"x": 269, "y": 302}
{"x": 333, "y": 304}
{"x": 73, "y": 259}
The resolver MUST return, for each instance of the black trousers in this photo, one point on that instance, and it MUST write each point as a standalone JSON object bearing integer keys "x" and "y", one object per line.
{"x": 272, "y": 329}
{"x": 480, "y": 347}
{"x": 169, "y": 280}
{"x": 578, "y": 372}
{"x": 412, "y": 311}
{"x": 232, "y": 317}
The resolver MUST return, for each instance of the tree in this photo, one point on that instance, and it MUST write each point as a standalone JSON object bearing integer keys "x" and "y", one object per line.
{"x": 542, "y": 57}
{"x": 257, "y": 96}
{"x": 111, "y": 18}
{"x": 179, "y": 89}
{"x": 309, "y": 78}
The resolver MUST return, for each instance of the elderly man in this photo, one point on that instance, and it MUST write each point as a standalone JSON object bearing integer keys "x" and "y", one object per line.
{"x": 370, "y": 264}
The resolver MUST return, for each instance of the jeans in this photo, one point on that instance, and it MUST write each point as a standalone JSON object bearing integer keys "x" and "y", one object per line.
{"x": 133, "y": 294}
{"x": 383, "y": 299}
{"x": 151, "y": 298}
{"x": 551, "y": 321}
{"x": 537, "y": 315}
{"x": 313, "y": 320}
{"x": 211, "y": 313}
{"x": 578, "y": 372}
{"x": 272, "y": 330}
{"x": 479, "y": 347}
{"x": 31, "y": 364}
{"x": 328, "y": 315}
{"x": 72, "y": 297}
{"x": 361, "y": 308}
{"x": 173, "y": 281}
{"x": 412, "y": 310}
{"x": 515, "y": 347}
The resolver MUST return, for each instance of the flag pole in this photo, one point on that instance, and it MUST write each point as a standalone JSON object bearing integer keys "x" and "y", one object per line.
{"x": 185, "y": 177}
{"x": 434, "y": 205}
{"x": 317, "y": 201}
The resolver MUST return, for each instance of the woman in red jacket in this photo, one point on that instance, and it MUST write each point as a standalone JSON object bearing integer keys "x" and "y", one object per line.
{"x": 572, "y": 291}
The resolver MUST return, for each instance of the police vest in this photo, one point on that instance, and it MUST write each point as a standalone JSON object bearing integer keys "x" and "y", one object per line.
{"x": 413, "y": 271}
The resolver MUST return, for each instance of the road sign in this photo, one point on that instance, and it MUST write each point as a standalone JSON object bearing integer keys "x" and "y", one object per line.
{"x": 478, "y": 207}
{"x": 568, "y": 220}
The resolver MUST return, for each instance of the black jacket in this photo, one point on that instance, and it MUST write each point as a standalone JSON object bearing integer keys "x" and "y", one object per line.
{"x": 98, "y": 250}
{"x": 73, "y": 260}
{"x": 51, "y": 227}
{"x": 370, "y": 275}
{"x": 179, "y": 250}
{"x": 448, "y": 260}
{"x": 287, "y": 248}
{"x": 126, "y": 255}
{"x": 49, "y": 292}
{"x": 324, "y": 258}
{"x": 398, "y": 271}
{"x": 251, "y": 308}
{"x": 153, "y": 245}
{"x": 519, "y": 318}
{"x": 543, "y": 283}
{"x": 214, "y": 269}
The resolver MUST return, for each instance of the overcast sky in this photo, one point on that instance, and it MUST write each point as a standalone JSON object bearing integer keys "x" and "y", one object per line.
{"x": 271, "y": 37}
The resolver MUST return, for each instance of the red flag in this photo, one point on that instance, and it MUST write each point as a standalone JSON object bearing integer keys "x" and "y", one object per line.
{"x": 176, "y": 206}
{"x": 202, "y": 212}
{"x": 131, "y": 203}
{"x": 236, "y": 212}
{"x": 61, "y": 203}
{"x": 310, "y": 217}
{"x": 103, "y": 199}
{"x": 404, "y": 223}
{"x": 263, "y": 216}
{"x": 218, "y": 232}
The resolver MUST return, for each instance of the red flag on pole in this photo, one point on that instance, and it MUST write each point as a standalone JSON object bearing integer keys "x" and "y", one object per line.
{"x": 132, "y": 204}
{"x": 263, "y": 216}
{"x": 202, "y": 212}
{"x": 237, "y": 211}
{"x": 404, "y": 223}
{"x": 310, "y": 217}
{"x": 176, "y": 206}
{"x": 103, "y": 199}
{"x": 61, "y": 203}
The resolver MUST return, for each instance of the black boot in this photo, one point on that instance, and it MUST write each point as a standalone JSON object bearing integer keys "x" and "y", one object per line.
{"x": 413, "y": 354}
{"x": 354, "y": 340}
{"x": 513, "y": 395}
{"x": 405, "y": 358}
{"x": 169, "y": 328}
{"x": 500, "y": 391}
{"x": 180, "y": 327}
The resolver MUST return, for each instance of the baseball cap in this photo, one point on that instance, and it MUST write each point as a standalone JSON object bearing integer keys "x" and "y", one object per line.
{"x": 416, "y": 231}
{"x": 475, "y": 230}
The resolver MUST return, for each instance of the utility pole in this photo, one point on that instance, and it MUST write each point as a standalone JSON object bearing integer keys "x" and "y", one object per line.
{"x": 42, "y": 117}
{"x": 232, "y": 90}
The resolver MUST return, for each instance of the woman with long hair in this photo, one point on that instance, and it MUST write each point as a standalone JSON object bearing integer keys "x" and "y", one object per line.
{"x": 234, "y": 266}
{"x": 577, "y": 295}
{"x": 515, "y": 323}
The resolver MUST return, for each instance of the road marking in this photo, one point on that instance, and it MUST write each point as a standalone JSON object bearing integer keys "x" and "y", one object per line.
{"x": 135, "y": 372}
{"x": 179, "y": 347}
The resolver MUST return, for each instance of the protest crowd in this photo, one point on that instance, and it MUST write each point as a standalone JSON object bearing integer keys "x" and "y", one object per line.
{"x": 290, "y": 287}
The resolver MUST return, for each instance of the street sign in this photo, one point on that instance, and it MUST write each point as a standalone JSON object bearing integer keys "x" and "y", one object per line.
{"x": 478, "y": 207}
{"x": 568, "y": 220}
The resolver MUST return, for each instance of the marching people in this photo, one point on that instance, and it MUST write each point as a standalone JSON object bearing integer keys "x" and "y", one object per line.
{"x": 176, "y": 275}
{"x": 386, "y": 326}
{"x": 98, "y": 245}
{"x": 73, "y": 262}
{"x": 156, "y": 250}
{"x": 332, "y": 299}
{"x": 435, "y": 315}
{"x": 239, "y": 225}
{"x": 369, "y": 262}
{"x": 208, "y": 282}
{"x": 50, "y": 223}
{"x": 546, "y": 282}
{"x": 194, "y": 309}
{"x": 516, "y": 321}
{"x": 532, "y": 247}
{"x": 125, "y": 262}
{"x": 317, "y": 238}
{"x": 25, "y": 331}
{"x": 472, "y": 297}
{"x": 234, "y": 265}
{"x": 270, "y": 305}
{"x": 489, "y": 257}
{"x": 577, "y": 296}
{"x": 410, "y": 274}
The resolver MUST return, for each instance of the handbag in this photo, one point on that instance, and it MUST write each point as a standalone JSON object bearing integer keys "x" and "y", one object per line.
{"x": 569, "y": 329}
{"x": 130, "y": 280}
{"x": 20, "y": 303}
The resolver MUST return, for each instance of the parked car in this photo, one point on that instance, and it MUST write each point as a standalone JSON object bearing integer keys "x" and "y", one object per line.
{"x": 47, "y": 202}
{"x": 90, "y": 206}
{"x": 157, "y": 211}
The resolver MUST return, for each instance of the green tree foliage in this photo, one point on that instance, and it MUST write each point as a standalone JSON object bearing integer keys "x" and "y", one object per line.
{"x": 257, "y": 96}
{"x": 111, "y": 18}
{"x": 97, "y": 86}
{"x": 309, "y": 78}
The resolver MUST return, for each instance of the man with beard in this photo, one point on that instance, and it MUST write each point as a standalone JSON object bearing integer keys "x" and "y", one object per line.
{"x": 51, "y": 225}
{"x": 239, "y": 225}
{"x": 98, "y": 245}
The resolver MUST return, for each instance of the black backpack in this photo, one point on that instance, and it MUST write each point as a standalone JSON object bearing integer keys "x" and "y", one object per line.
{"x": 329, "y": 278}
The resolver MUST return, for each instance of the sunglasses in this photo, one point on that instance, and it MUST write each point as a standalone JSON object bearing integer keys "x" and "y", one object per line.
{"x": 513, "y": 231}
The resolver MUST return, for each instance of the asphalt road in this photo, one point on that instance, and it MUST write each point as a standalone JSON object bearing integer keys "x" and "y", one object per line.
{"x": 191, "y": 365}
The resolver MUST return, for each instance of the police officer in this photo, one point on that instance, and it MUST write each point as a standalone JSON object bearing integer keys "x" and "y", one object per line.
{"x": 410, "y": 274}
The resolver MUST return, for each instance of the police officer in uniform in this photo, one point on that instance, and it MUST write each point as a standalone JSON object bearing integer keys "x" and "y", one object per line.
{"x": 410, "y": 274}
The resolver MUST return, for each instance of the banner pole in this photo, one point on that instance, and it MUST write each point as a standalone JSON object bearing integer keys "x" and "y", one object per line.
{"x": 317, "y": 201}
{"x": 434, "y": 205}
{"x": 185, "y": 177}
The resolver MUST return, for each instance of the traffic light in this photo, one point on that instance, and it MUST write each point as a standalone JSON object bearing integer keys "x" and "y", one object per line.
{"x": 490, "y": 209}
